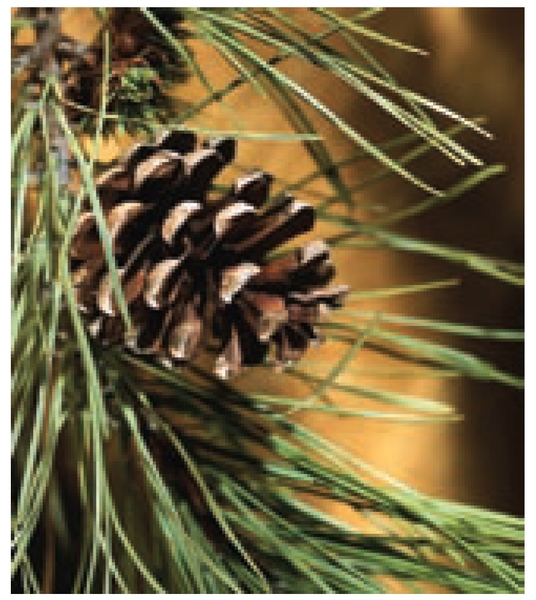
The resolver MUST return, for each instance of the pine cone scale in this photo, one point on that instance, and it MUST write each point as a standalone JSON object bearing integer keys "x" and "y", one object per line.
{"x": 272, "y": 231}
{"x": 159, "y": 283}
{"x": 185, "y": 336}
{"x": 176, "y": 220}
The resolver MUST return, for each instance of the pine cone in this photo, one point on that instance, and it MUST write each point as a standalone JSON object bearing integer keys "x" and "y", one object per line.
{"x": 194, "y": 269}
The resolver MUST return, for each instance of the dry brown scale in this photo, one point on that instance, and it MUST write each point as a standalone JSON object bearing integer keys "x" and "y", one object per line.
{"x": 195, "y": 269}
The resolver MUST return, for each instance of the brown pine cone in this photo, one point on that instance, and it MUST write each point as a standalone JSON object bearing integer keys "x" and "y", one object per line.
{"x": 193, "y": 268}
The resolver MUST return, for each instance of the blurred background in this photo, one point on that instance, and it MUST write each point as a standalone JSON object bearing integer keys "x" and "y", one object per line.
{"x": 475, "y": 66}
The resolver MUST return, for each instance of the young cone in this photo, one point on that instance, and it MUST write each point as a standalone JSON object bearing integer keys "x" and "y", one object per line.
{"x": 142, "y": 65}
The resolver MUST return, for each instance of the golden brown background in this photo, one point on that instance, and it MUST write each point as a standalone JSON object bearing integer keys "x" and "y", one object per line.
{"x": 475, "y": 67}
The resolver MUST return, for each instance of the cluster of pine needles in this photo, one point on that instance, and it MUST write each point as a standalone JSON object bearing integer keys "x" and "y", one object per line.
{"x": 131, "y": 477}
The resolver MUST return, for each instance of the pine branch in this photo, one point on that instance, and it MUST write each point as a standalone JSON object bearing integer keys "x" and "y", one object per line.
{"x": 130, "y": 476}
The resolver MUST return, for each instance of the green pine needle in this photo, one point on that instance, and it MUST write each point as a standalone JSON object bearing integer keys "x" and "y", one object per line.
{"x": 130, "y": 477}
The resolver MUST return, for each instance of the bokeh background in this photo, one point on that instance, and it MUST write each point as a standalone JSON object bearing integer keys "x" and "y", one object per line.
{"x": 476, "y": 67}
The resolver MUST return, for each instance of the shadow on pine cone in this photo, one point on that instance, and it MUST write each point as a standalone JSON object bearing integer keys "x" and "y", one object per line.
{"x": 196, "y": 271}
